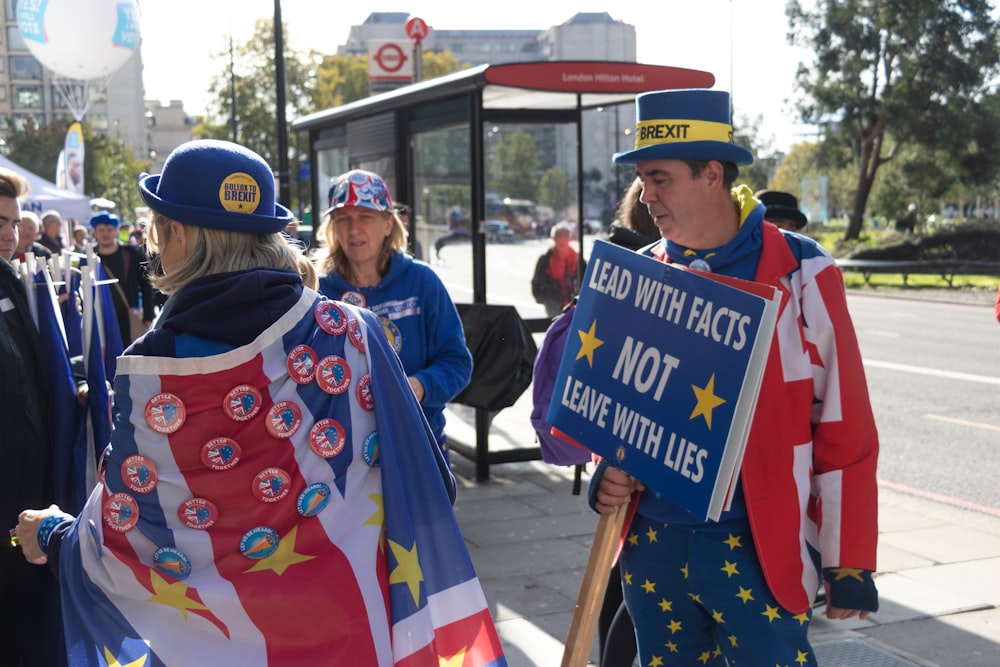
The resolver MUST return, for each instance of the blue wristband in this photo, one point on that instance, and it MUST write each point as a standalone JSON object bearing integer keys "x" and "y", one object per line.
{"x": 49, "y": 524}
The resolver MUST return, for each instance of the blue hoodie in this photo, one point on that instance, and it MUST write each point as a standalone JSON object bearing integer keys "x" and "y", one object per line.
{"x": 423, "y": 326}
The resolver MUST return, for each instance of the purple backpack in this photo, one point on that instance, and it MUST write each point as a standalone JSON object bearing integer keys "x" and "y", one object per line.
{"x": 554, "y": 450}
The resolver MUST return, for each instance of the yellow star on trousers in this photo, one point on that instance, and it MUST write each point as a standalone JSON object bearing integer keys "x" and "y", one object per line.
{"x": 802, "y": 657}
{"x": 666, "y": 605}
{"x": 745, "y": 594}
{"x": 729, "y": 568}
{"x": 771, "y": 613}
{"x": 707, "y": 401}
{"x": 674, "y": 627}
{"x": 588, "y": 343}
{"x": 802, "y": 618}
{"x": 649, "y": 586}
{"x": 733, "y": 541}
{"x": 113, "y": 661}
{"x": 672, "y": 646}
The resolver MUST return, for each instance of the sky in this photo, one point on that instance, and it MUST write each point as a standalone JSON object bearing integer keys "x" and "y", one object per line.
{"x": 742, "y": 42}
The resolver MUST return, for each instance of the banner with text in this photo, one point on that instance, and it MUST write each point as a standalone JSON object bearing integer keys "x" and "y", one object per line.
{"x": 661, "y": 373}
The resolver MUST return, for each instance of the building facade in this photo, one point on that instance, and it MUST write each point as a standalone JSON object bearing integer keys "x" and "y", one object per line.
{"x": 30, "y": 93}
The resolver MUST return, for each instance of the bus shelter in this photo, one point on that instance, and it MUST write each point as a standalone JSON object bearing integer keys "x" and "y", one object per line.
{"x": 462, "y": 150}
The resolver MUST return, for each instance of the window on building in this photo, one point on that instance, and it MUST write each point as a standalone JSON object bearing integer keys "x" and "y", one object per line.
{"x": 3, "y": 93}
{"x": 25, "y": 67}
{"x": 27, "y": 97}
{"x": 98, "y": 121}
{"x": 15, "y": 41}
{"x": 23, "y": 120}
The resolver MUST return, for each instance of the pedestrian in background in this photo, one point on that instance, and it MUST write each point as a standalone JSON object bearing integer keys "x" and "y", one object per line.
{"x": 741, "y": 590}
{"x": 553, "y": 283}
{"x": 133, "y": 293}
{"x": 365, "y": 264}
{"x": 782, "y": 209}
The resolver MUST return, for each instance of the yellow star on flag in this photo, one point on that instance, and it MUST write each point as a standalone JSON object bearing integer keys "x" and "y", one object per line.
{"x": 173, "y": 595}
{"x": 456, "y": 660}
{"x": 717, "y": 616}
{"x": 733, "y": 641}
{"x": 656, "y": 661}
{"x": 674, "y": 627}
{"x": 283, "y": 557}
{"x": 707, "y": 401}
{"x": 588, "y": 343}
{"x": 845, "y": 572}
{"x": 407, "y": 570}
{"x": 113, "y": 661}
{"x": 672, "y": 646}
{"x": 651, "y": 535}
{"x": 705, "y": 657}
{"x": 633, "y": 539}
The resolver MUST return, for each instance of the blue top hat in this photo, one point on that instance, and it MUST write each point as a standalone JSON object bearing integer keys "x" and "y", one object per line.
{"x": 216, "y": 184}
{"x": 691, "y": 124}
{"x": 104, "y": 218}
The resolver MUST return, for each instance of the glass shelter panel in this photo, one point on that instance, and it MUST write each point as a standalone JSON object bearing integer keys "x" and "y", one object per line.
{"x": 442, "y": 181}
{"x": 531, "y": 177}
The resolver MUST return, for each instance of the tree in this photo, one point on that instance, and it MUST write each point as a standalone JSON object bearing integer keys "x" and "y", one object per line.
{"x": 439, "y": 63}
{"x": 890, "y": 72}
{"x": 554, "y": 190}
{"x": 252, "y": 76}
{"x": 341, "y": 80}
{"x": 517, "y": 165}
{"x": 110, "y": 166}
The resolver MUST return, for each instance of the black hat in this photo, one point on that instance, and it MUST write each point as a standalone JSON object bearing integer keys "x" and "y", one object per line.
{"x": 782, "y": 205}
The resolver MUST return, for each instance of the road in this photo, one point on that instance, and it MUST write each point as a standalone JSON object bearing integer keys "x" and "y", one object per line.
{"x": 933, "y": 372}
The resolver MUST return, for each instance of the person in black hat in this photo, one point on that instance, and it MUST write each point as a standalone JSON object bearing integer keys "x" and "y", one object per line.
{"x": 269, "y": 466}
{"x": 782, "y": 209}
{"x": 805, "y": 506}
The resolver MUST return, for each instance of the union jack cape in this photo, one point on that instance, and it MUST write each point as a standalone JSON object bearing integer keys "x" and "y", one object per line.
{"x": 234, "y": 526}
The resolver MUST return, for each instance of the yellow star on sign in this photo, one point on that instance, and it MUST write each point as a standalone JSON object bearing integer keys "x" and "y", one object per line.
{"x": 283, "y": 557}
{"x": 172, "y": 595}
{"x": 707, "y": 401}
{"x": 848, "y": 572}
{"x": 588, "y": 343}
{"x": 113, "y": 661}
{"x": 407, "y": 569}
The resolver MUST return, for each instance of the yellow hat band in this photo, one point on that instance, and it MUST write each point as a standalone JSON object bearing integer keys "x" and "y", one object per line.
{"x": 668, "y": 131}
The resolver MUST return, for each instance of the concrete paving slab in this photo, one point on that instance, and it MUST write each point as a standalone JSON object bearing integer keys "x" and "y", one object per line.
{"x": 891, "y": 559}
{"x": 960, "y": 640}
{"x": 538, "y": 558}
{"x": 977, "y": 580}
{"x": 945, "y": 544}
{"x": 902, "y": 598}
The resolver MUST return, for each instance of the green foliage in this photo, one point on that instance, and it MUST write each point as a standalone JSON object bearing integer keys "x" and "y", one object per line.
{"x": 891, "y": 72}
{"x": 554, "y": 189}
{"x": 341, "y": 80}
{"x": 515, "y": 173}
{"x": 110, "y": 166}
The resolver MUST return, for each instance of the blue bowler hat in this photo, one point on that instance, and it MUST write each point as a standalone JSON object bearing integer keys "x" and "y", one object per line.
{"x": 104, "y": 218}
{"x": 216, "y": 184}
{"x": 691, "y": 124}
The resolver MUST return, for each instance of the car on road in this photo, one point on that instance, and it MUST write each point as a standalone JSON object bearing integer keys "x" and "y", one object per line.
{"x": 498, "y": 231}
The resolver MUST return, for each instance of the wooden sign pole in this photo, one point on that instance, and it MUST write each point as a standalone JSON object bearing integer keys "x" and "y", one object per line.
{"x": 595, "y": 582}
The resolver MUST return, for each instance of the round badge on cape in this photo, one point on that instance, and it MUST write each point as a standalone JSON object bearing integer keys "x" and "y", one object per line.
{"x": 139, "y": 474}
{"x": 259, "y": 542}
{"x": 302, "y": 362}
{"x": 283, "y": 419}
{"x": 313, "y": 499}
{"x": 364, "y": 390}
{"x": 220, "y": 453}
{"x": 392, "y": 334}
{"x": 198, "y": 513}
{"x": 327, "y": 438}
{"x": 330, "y": 317}
{"x": 172, "y": 561}
{"x": 165, "y": 413}
{"x": 370, "y": 449}
{"x": 333, "y": 375}
{"x": 354, "y": 298}
{"x": 242, "y": 403}
{"x": 121, "y": 512}
{"x": 271, "y": 485}
{"x": 356, "y": 334}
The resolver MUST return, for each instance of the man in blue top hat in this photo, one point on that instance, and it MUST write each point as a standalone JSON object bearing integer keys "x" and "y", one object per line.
{"x": 805, "y": 507}
{"x": 133, "y": 294}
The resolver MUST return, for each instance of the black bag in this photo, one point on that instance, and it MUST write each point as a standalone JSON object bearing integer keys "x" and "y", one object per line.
{"x": 503, "y": 355}
{"x": 542, "y": 286}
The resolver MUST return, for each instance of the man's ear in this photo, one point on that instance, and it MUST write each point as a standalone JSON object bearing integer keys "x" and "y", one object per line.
{"x": 713, "y": 173}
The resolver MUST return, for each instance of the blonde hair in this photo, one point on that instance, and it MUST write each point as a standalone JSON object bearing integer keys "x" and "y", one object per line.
{"x": 218, "y": 251}
{"x": 335, "y": 259}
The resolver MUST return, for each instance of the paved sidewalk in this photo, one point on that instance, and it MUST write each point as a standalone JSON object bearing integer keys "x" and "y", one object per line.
{"x": 529, "y": 537}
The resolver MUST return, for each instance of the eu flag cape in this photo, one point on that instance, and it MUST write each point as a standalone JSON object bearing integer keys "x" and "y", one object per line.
{"x": 275, "y": 504}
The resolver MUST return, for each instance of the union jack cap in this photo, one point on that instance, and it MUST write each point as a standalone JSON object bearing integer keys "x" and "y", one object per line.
{"x": 360, "y": 188}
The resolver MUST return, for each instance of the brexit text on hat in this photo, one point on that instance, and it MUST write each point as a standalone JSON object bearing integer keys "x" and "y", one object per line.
{"x": 659, "y": 131}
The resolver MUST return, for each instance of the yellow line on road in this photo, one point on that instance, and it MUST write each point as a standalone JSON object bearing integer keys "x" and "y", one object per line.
{"x": 964, "y": 422}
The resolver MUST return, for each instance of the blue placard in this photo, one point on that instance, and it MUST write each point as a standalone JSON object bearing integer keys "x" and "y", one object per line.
{"x": 661, "y": 372}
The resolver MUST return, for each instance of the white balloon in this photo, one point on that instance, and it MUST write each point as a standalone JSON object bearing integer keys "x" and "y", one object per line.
{"x": 80, "y": 39}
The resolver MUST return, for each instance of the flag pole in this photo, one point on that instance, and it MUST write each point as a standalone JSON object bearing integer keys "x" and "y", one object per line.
{"x": 592, "y": 588}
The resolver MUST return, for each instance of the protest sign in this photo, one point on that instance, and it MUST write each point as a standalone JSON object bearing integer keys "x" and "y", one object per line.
{"x": 661, "y": 373}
